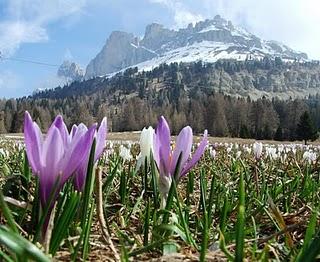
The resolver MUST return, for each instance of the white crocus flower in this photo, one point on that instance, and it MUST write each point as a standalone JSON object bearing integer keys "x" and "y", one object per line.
{"x": 247, "y": 149}
{"x": 146, "y": 145}
{"x": 238, "y": 154}
{"x": 212, "y": 152}
{"x": 309, "y": 156}
{"x": 125, "y": 153}
{"x": 271, "y": 152}
{"x": 257, "y": 150}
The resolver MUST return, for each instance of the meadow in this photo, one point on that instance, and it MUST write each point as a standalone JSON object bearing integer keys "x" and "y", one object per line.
{"x": 242, "y": 201}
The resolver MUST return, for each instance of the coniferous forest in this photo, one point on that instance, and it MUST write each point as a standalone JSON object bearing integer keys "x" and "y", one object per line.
{"x": 204, "y": 96}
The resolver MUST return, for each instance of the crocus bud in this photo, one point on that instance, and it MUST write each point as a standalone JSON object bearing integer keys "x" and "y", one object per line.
{"x": 146, "y": 145}
{"x": 257, "y": 150}
{"x": 164, "y": 187}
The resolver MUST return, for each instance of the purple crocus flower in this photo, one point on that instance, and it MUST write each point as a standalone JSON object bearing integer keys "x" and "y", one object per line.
{"x": 81, "y": 172}
{"x": 167, "y": 160}
{"x": 57, "y": 155}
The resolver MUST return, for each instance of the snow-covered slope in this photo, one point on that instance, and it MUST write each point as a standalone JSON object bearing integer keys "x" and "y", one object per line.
{"x": 207, "y": 40}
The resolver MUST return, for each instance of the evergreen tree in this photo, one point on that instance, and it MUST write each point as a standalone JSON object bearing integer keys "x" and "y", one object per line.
{"x": 244, "y": 132}
{"x": 306, "y": 129}
{"x": 278, "y": 136}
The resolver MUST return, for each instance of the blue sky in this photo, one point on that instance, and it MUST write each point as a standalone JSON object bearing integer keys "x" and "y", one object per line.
{"x": 51, "y": 31}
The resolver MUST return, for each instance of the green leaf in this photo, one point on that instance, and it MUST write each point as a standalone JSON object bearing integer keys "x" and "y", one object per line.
{"x": 310, "y": 249}
{"x": 7, "y": 214}
{"x": 63, "y": 222}
{"x": 20, "y": 246}
{"x": 240, "y": 225}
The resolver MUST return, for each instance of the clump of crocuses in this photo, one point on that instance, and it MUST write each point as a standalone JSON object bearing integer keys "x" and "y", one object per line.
{"x": 55, "y": 157}
{"x": 167, "y": 159}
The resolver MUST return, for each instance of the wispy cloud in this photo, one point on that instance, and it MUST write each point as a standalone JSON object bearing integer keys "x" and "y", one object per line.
{"x": 182, "y": 13}
{"x": 14, "y": 33}
{"x": 26, "y": 21}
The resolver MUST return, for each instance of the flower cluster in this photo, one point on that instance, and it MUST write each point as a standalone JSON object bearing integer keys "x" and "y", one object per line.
{"x": 60, "y": 154}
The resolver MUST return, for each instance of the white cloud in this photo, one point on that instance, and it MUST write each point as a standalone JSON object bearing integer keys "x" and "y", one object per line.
{"x": 27, "y": 20}
{"x": 12, "y": 34}
{"x": 293, "y": 22}
{"x": 182, "y": 14}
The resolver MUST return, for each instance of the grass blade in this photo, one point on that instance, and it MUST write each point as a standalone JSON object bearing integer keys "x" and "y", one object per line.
{"x": 240, "y": 234}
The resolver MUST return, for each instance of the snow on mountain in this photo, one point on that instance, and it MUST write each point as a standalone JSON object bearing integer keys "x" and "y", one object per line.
{"x": 207, "y": 40}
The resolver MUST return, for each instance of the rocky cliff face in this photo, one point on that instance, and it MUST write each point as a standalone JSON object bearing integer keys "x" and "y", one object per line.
{"x": 70, "y": 71}
{"x": 120, "y": 51}
{"x": 207, "y": 40}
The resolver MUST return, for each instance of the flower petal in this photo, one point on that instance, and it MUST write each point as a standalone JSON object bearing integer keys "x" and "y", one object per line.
{"x": 146, "y": 141}
{"x": 80, "y": 176}
{"x": 183, "y": 145}
{"x": 197, "y": 154}
{"x": 53, "y": 152}
{"x": 78, "y": 151}
{"x": 101, "y": 138}
{"x": 73, "y": 130}
{"x": 59, "y": 123}
{"x": 80, "y": 131}
{"x": 162, "y": 145}
{"x": 33, "y": 142}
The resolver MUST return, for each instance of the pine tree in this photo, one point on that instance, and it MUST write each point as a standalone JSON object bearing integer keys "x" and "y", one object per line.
{"x": 306, "y": 129}
{"x": 244, "y": 132}
{"x": 278, "y": 136}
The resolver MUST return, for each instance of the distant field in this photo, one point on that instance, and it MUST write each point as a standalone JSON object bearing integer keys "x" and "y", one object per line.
{"x": 134, "y": 136}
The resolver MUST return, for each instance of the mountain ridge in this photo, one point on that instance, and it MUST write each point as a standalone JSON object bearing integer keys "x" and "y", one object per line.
{"x": 208, "y": 40}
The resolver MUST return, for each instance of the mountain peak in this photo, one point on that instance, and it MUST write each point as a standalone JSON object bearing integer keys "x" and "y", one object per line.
{"x": 153, "y": 28}
{"x": 208, "y": 40}
{"x": 70, "y": 71}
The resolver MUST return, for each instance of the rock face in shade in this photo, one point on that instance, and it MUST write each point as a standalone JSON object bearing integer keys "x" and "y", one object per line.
{"x": 121, "y": 50}
{"x": 208, "y": 40}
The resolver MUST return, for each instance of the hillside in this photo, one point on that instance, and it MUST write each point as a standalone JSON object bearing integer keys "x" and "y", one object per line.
{"x": 254, "y": 78}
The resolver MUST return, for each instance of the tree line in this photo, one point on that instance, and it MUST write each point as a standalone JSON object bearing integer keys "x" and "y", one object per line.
{"x": 184, "y": 93}
{"x": 222, "y": 115}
